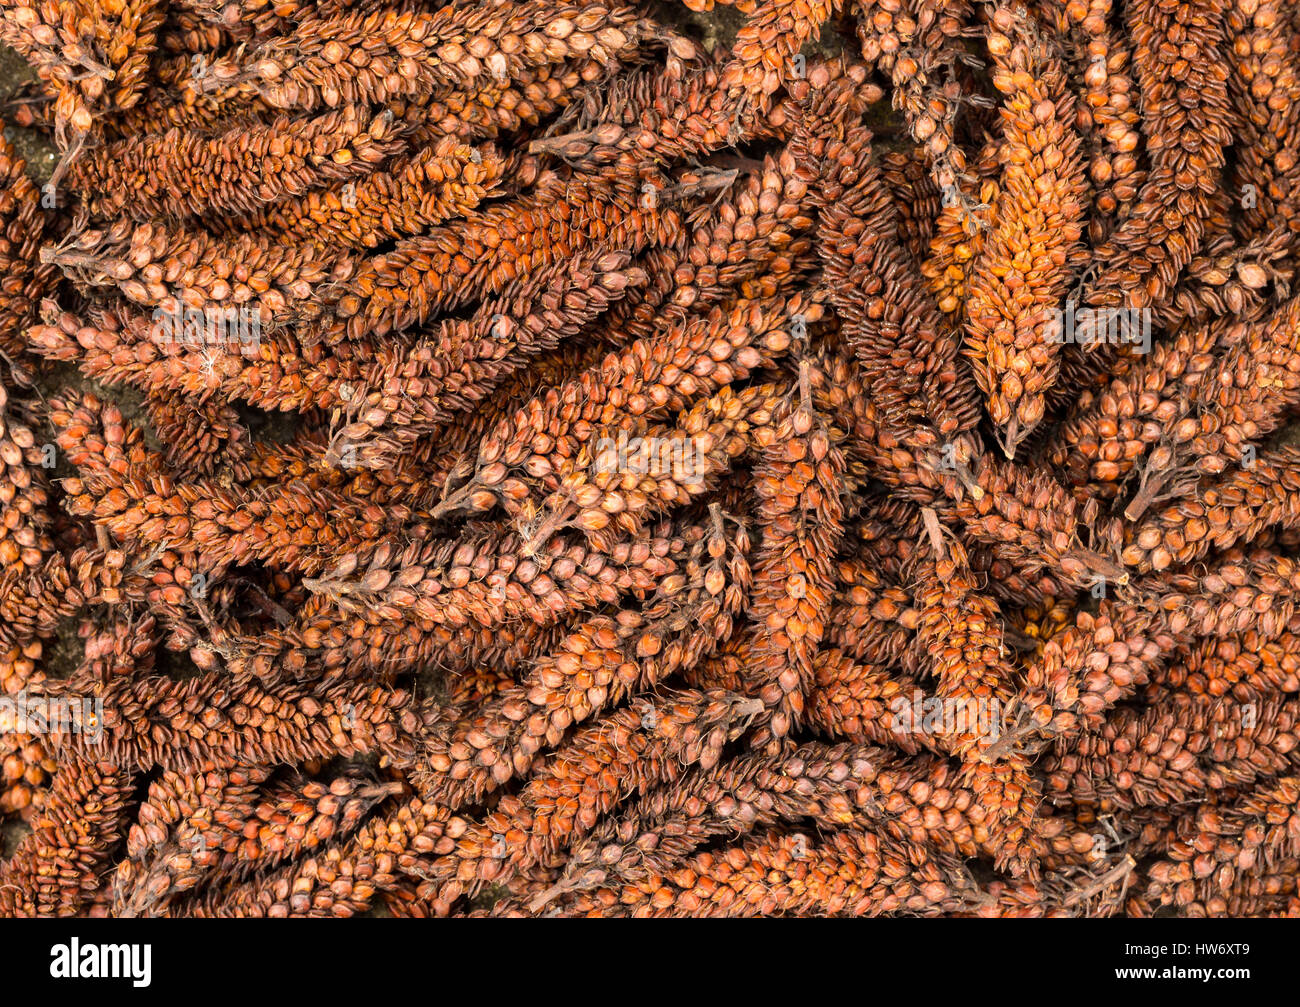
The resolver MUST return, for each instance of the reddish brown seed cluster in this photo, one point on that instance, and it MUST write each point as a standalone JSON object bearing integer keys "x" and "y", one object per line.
{"x": 508, "y": 458}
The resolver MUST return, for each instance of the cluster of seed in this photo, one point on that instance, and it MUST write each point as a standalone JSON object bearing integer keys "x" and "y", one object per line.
{"x": 651, "y": 477}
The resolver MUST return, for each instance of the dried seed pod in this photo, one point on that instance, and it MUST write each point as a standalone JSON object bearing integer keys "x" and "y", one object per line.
{"x": 1201, "y": 397}
{"x": 681, "y": 111}
{"x": 959, "y": 233}
{"x": 446, "y": 179}
{"x": 417, "y": 605}
{"x": 764, "y": 53}
{"x": 167, "y": 847}
{"x": 960, "y": 633}
{"x": 411, "y": 390}
{"x": 1245, "y": 666}
{"x": 455, "y": 855}
{"x": 959, "y": 629}
{"x": 986, "y": 495}
{"x": 25, "y": 764}
{"x": 178, "y": 98}
{"x": 1218, "y": 846}
{"x": 1008, "y": 795}
{"x": 186, "y": 173}
{"x": 670, "y": 734}
{"x": 629, "y": 751}
{"x": 832, "y": 786}
{"x": 882, "y": 29}
{"x": 70, "y": 47}
{"x": 1108, "y": 114}
{"x": 801, "y": 519}
{"x": 343, "y": 878}
{"x": 24, "y": 280}
{"x": 131, "y": 38}
{"x": 865, "y": 704}
{"x": 843, "y": 786}
{"x": 1068, "y": 894}
{"x": 1265, "y": 91}
{"x": 60, "y": 866}
{"x": 870, "y": 620}
{"x": 233, "y": 828}
{"x": 908, "y": 355}
{"x": 153, "y": 720}
{"x": 137, "y": 500}
{"x": 262, "y": 18}
{"x": 753, "y": 240}
{"x": 620, "y": 479}
{"x": 1235, "y": 509}
{"x": 1271, "y": 894}
{"x": 846, "y": 873}
{"x": 200, "y": 437}
{"x": 494, "y": 107}
{"x": 1181, "y": 749}
{"x": 649, "y": 378}
{"x": 1033, "y": 522}
{"x": 1036, "y": 224}
{"x": 920, "y": 48}
{"x": 916, "y": 199}
{"x": 602, "y": 661}
{"x": 33, "y": 577}
{"x": 1243, "y": 400}
{"x": 1109, "y": 429}
{"x": 371, "y": 57}
{"x": 191, "y": 276}
{"x": 1106, "y": 657}
{"x": 27, "y": 769}
{"x": 448, "y": 265}
{"x": 1185, "y": 118}
{"x": 273, "y": 371}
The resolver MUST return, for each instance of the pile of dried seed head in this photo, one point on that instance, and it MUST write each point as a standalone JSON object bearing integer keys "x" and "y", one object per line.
{"x": 529, "y": 458}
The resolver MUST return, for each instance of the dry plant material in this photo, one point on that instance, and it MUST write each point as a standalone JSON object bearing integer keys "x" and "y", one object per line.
{"x": 371, "y": 57}
{"x": 25, "y": 765}
{"x": 1182, "y": 83}
{"x": 799, "y": 511}
{"x": 1035, "y": 220}
{"x": 65, "y": 862}
{"x": 23, "y": 279}
{"x": 445, "y": 180}
{"x": 649, "y": 481}
{"x": 848, "y": 873}
{"x": 186, "y": 173}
